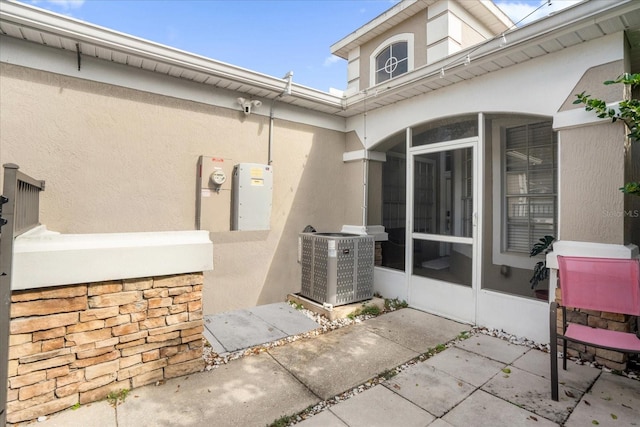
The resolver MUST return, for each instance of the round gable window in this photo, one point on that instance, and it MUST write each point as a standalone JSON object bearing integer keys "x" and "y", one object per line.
{"x": 392, "y": 61}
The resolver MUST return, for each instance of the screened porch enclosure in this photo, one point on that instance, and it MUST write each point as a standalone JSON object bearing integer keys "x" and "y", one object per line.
{"x": 518, "y": 190}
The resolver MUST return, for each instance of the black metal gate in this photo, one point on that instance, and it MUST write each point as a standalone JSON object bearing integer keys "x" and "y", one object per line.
{"x": 19, "y": 212}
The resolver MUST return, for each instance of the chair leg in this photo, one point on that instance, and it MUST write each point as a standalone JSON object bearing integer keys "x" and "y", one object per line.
{"x": 553, "y": 350}
{"x": 564, "y": 341}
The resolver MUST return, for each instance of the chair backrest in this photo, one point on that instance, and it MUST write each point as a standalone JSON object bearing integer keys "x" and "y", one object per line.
{"x": 603, "y": 284}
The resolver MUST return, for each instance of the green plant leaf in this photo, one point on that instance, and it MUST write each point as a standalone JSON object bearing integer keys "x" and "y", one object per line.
{"x": 631, "y": 188}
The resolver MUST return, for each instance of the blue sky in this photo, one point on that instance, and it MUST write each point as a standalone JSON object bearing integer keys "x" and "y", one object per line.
{"x": 268, "y": 36}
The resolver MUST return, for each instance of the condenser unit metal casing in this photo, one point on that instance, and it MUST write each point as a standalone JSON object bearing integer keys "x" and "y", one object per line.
{"x": 337, "y": 268}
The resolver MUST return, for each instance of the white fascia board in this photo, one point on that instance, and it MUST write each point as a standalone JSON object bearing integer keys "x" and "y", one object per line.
{"x": 580, "y": 117}
{"x": 496, "y": 12}
{"x": 43, "y": 259}
{"x": 358, "y": 155}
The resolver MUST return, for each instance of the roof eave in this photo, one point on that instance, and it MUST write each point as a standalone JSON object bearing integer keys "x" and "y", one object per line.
{"x": 342, "y": 47}
{"x": 410, "y": 7}
{"x": 82, "y": 32}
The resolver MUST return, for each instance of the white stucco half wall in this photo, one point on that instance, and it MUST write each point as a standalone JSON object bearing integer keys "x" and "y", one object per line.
{"x": 45, "y": 258}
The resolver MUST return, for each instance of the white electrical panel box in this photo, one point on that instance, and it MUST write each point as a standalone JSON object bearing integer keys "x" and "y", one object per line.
{"x": 252, "y": 195}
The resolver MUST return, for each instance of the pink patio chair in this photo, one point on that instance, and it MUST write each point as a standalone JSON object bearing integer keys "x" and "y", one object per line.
{"x": 599, "y": 284}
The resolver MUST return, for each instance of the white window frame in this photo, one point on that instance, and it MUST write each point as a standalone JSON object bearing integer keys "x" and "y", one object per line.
{"x": 404, "y": 37}
{"x": 499, "y": 254}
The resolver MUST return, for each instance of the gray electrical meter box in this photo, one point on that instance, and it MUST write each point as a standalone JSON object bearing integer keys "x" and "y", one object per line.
{"x": 252, "y": 194}
{"x": 213, "y": 193}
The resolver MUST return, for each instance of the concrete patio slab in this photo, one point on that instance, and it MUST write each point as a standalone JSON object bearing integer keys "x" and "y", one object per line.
{"x": 253, "y": 391}
{"x": 379, "y": 406}
{"x": 433, "y": 390}
{"x": 439, "y": 422}
{"x": 533, "y": 393}
{"x": 576, "y": 376}
{"x": 416, "y": 329}
{"x": 323, "y": 419}
{"x": 240, "y": 329}
{"x": 466, "y": 366}
{"x": 484, "y": 410}
{"x": 332, "y": 363}
{"x": 103, "y": 414}
{"x": 613, "y": 401}
{"x": 496, "y": 349}
{"x": 215, "y": 344}
{"x": 285, "y": 318}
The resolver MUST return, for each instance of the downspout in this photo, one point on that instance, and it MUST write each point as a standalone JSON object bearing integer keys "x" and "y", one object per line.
{"x": 365, "y": 202}
{"x": 287, "y": 91}
{"x": 365, "y": 168}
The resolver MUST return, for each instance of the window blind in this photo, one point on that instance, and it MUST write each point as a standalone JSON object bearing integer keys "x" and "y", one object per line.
{"x": 529, "y": 185}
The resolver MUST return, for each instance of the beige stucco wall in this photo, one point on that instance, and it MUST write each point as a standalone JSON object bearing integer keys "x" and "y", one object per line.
{"x": 591, "y": 171}
{"x": 592, "y": 83}
{"x": 632, "y": 171}
{"x": 632, "y": 203}
{"x": 416, "y": 25}
{"x": 471, "y": 33}
{"x": 591, "y": 166}
{"x": 120, "y": 160}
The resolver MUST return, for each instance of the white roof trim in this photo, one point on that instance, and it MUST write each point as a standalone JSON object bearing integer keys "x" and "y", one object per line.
{"x": 577, "y": 24}
{"x": 585, "y": 18}
{"x": 578, "y": 117}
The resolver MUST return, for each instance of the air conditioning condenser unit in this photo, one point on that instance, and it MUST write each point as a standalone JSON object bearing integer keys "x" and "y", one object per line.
{"x": 337, "y": 268}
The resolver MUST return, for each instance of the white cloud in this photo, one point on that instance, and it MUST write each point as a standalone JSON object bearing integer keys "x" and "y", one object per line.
{"x": 517, "y": 10}
{"x": 330, "y": 60}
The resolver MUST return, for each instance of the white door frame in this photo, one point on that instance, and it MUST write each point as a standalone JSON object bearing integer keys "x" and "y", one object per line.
{"x": 438, "y": 297}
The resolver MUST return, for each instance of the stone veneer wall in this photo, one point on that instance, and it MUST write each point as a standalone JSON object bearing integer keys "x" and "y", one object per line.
{"x": 77, "y": 343}
{"x": 599, "y": 319}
